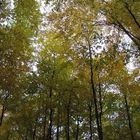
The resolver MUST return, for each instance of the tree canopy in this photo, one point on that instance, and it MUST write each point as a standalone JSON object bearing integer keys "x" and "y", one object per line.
{"x": 69, "y": 70}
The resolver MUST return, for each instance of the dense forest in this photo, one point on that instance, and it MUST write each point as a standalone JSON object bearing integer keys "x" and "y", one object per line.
{"x": 69, "y": 70}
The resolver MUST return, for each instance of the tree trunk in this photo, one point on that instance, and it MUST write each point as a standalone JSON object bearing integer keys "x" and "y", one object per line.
{"x": 34, "y": 131}
{"x": 135, "y": 39}
{"x": 101, "y": 109}
{"x": 2, "y": 114}
{"x": 94, "y": 93}
{"x": 50, "y": 117}
{"x": 132, "y": 15}
{"x": 68, "y": 120}
{"x": 68, "y": 124}
{"x": 128, "y": 117}
{"x": 50, "y": 125}
{"x": 77, "y": 128}
{"x": 58, "y": 126}
{"x": 26, "y": 135}
{"x": 3, "y": 109}
{"x": 58, "y": 120}
{"x": 44, "y": 125}
{"x": 90, "y": 121}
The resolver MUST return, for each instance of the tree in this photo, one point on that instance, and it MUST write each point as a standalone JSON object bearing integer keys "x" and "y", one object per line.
{"x": 68, "y": 76}
{"x": 15, "y": 50}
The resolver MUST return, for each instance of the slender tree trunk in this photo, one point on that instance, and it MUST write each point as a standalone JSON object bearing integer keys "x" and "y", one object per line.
{"x": 132, "y": 15}
{"x": 77, "y": 128}
{"x": 58, "y": 120}
{"x": 44, "y": 125}
{"x": 101, "y": 109}
{"x": 50, "y": 117}
{"x": 68, "y": 119}
{"x": 133, "y": 38}
{"x": 94, "y": 93}
{"x": 2, "y": 114}
{"x": 58, "y": 126}
{"x": 68, "y": 124}
{"x": 44, "y": 128}
{"x": 50, "y": 125}
{"x": 3, "y": 109}
{"x": 90, "y": 121}
{"x": 34, "y": 131}
{"x": 49, "y": 137}
{"x": 26, "y": 135}
{"x": 128, "y": 117}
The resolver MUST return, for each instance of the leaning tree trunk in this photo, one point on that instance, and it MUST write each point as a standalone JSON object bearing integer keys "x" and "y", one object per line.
{"x": 2, "y": 114}
{"x": 3, "y": 109}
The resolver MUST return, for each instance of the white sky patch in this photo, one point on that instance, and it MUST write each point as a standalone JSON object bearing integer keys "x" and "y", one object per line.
{"x": 12, "y": 4}
{"x": 45, "y": 7}
{"x": 130, "y": 66}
